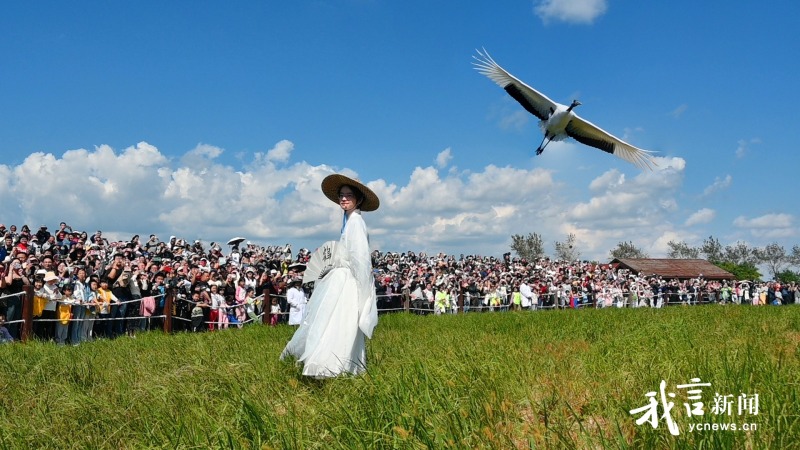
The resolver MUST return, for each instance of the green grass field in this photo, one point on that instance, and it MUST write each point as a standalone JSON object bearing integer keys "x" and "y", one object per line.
{"x": 556, "y": 379}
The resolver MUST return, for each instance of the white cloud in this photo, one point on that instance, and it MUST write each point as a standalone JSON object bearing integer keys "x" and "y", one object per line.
{"x": 620, "y": 209}
{"x": 660, "y": 244}
{"x": 572, "y": 11}
{"x": 443, "y": 158}
{"x": 719, "y": 184}
{"x": 281, "y": 152}
{"x": 700, "y": 217}
{"x": 138, "y": 190}
{"x": 612, "y": 205}
{"x": 608, "y": 180}
{"x": 744, "y": 146}
{"x": 206, "y": 151}
{"x": 670, "y": 164}
{"x": 766, "y": 221}
{"x": 768, "y": 226}
{"x": 201, "y": 156}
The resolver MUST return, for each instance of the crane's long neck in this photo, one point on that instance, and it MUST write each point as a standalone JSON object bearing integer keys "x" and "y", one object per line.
{"x": 573, "y": 105}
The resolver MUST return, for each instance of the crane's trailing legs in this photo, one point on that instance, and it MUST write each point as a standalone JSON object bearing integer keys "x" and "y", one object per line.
{"x": 545, "y": 141}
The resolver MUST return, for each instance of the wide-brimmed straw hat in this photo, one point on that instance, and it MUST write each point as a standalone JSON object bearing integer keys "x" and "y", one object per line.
{"x": 332, "y": 183}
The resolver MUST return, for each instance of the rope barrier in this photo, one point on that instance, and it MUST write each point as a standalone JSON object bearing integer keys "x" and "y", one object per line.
{"x": 18, "y": 294}
{"x": 548, "y": 301}
{"x": 97, "y": 319}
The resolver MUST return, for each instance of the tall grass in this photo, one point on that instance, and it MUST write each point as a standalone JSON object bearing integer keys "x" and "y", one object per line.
{"x": 557, "y": 379}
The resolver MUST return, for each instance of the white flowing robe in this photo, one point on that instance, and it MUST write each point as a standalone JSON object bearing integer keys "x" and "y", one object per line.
{"x": 341, "y": 311}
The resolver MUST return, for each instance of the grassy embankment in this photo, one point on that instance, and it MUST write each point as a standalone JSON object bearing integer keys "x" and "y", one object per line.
{"x": 557, "y": 379}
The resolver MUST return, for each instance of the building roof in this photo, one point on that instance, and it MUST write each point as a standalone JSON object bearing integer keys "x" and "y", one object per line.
{"x": 674, "y": 268}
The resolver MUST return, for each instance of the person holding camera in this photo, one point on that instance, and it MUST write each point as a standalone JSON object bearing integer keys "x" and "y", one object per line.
{"x": 15, "y": 280}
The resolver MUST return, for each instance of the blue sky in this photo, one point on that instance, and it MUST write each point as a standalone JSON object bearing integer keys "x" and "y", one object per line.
{"x": 210, "y": 120}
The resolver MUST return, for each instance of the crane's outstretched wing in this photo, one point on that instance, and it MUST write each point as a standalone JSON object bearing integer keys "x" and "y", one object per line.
{"x": 590, "y": 134}
{"x": 532, "y": 100}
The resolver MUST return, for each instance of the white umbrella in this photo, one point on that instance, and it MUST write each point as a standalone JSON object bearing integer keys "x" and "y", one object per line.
{"x": 236, "y": 240}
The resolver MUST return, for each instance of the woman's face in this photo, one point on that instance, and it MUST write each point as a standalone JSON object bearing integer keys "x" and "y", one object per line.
{"x": 347, "y": 198}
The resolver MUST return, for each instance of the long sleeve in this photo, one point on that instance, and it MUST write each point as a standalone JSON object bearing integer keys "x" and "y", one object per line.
{"x": 360, "y": 264}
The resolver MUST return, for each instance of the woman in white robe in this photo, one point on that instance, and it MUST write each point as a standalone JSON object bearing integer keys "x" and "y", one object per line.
{"x": 341, "y": 312}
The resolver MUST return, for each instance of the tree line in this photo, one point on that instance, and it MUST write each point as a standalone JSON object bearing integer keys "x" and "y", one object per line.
{"x": 739, "y": 258}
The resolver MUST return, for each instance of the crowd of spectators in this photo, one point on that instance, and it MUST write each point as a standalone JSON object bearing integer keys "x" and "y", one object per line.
{"x": 119, "y": 287}
{"x": 434, "y": 283}
{"x": 88, "y": 287}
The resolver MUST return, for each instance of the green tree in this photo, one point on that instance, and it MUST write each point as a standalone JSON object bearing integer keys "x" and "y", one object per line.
{"x": 628, "y": 250}
{"x": 787, "y": 276}
{"x": 741, "y": 271}
{"x": 682, "y": 250}
{"x": 530, "y": 247}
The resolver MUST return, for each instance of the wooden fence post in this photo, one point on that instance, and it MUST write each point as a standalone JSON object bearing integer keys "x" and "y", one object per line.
{"x": 27, "y": 313}
{"x": 169, "y": 299}
{"x": 265, "y": 307}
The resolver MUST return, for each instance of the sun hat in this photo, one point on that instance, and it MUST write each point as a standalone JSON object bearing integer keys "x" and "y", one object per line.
{"x": 332, "y": 183}
{"x": 50, "y": 276}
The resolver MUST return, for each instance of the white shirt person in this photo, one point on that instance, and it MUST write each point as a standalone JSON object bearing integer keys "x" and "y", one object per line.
{"x": 296, "y": 298}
